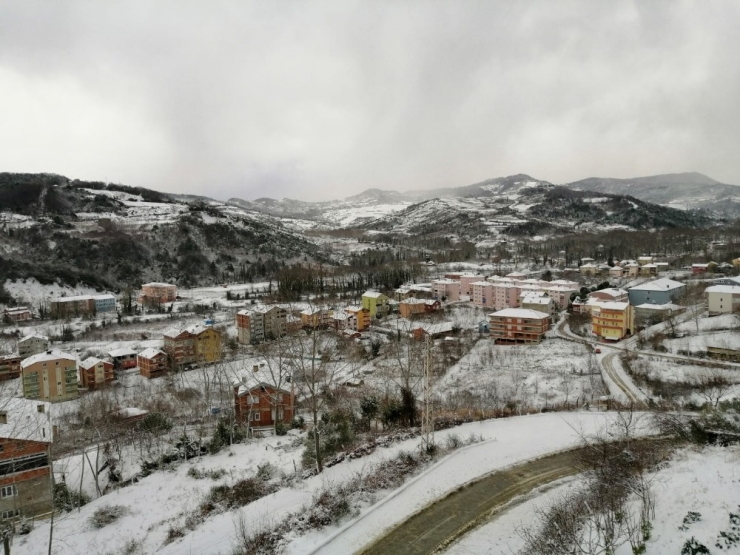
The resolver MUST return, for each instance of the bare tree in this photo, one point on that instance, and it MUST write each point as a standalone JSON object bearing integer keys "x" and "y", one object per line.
{"x": 713, "y": 385}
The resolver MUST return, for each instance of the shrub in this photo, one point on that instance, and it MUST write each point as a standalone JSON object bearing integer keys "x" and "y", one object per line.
{"x": 66, "y": 500}
{"x": 106, "y": 515}
{"x": 693, "y": 547}
{"x": 281, "y": 429}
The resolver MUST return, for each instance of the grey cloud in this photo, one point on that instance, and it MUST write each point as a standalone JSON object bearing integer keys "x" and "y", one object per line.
{"x": 323, "y": 99}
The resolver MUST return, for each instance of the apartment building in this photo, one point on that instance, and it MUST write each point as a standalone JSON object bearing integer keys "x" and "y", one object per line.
{"x": 610, "y": 295}
{"x": 518, "y": 325}
{"x": 612, "y": 321}
{"x": 96, "y": 373}
{"x": 17, "y": 314}
{"x": 722, "y": 299}
{"x": 50, "y": 376}
{"x": 196, "y": 344}
{"x": 483, "y": 295}
{"x": 376, "y": 303}
{"x": 358, "y": 318}
{"x": 263, "y": 323}
{"x": 81, "y": 305}
{"x": 152, "y": 363}
{"x": 32, "y": 344}
{"x": 157, "y": 293}
{"x": 10, "y": 367}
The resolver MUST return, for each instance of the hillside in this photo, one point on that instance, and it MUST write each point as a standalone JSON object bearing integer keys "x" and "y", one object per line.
{"x": 533, "y": 208}
{"x": 677, "y": 190}
{"x": 111, "y": 236}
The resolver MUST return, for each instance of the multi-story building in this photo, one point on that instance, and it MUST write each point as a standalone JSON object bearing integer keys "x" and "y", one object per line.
{"x": 123, "y": 358}
{"x": 659, "y": 291}
{"x": 263, "y": 323}
{"x": 376, "y": 303}
{"x": 505, "y": 295}
{"x": 25, "y": 471}
{"x": 96, "y": 373}
{"x": 358, "y": 318}
{"x": 32, "y": 344}
{"x": 50, "y": 376}
{"x": 723, "y": 299}
{"x": 518, "y": 325}
{"x": 466, "y": 283}
{"x": 196, "y": 344}
{"x": 157, "y": 293}
{"x": 17, "y": 314}
{"x": 610, "y": 294}
{"x": 446, "y": 289}
{"x": 612, "y": 320}
{"x": 10, "y": 367}
{"x": 261, "y": 406}
{"x": 539, "y": 302}
{"x": 483, "y": 294}
{"x": 152, "y": 363}
{"x": 81, "y": 305}
{"x": 315, "y": 317}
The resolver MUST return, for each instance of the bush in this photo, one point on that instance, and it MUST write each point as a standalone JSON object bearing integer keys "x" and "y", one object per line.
{"x": 66, "y": 500}
{"x": 693, "y": 547}
{"x": 281, "y": 429}
{"x": 107, "y": 515}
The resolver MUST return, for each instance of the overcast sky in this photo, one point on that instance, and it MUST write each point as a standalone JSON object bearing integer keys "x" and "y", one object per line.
{"x": 317, "y": 100}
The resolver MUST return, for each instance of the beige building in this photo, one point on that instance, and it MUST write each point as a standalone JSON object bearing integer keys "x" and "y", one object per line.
{"x": 723, "y": 299}
{"x": 50, "y": 376}
{"x": 264, "y": 323}
{"x": 32, "y": 344}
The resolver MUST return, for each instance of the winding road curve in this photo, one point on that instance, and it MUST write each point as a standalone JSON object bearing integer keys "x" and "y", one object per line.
{"x": 438, "y": 525}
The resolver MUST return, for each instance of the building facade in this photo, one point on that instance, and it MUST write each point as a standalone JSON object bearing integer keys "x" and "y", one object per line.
{"x": 157, "y": 293}
{"x": 50, "y": 376}
{"x": 612, "y": 321}
{"x": 376, "y": 303}
{"x": 517, "y": 325}
{"x": 659, "y": 291}
{"x": 193, "y": 345}
{"x": 96, "y": 373}
{"x": 263, "y": 405}
{"x": 723, "y": 299}
{"x": 152, "y": 363}
{"x": 32, "y": 344}
{"x": 10, "y": 367}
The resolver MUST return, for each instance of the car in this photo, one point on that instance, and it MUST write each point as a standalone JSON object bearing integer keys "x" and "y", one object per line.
{"x": 597, "y": 350}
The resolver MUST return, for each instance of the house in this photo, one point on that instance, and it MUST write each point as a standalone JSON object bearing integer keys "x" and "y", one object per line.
{"x": 10, "y": 367}
{"x": 659, "y": 291}
{"x": 616, "y": 272}
{"x": 50, "y": 376}
{"x": 104, "y": 303}
{"x": 539, "y": 302}
{"x": 723, "y": 299}
{"x": 411, "y": 307}
{"x": 17, "y": 314}
{"x": 435, "y": 330}
{"x": 261, "y": 406}
{"x": 32, "y": 344}
{"x": 729, "y": 280}
{"x": 610, "y": 294}
{"x": 375, "y": 302}
{"x": 589, "y": 269}
{"x": 642, "y": 260}
{"x": 196, "y": 344}
{"x": 632, "y": 269}
{"x": 152, "y": 363}
{"x": 338, "y": 321}
{"x": 649, "y": 270}
{"x": 315, "y": 317}
{"x": 358, "y": 318}
{"x": 123, "y": 358}
{"x": 699, "y": 268}
{"x": 157, "y": 293}
{"x": 96, "y": 373}
{"x": 25, "y": 471}
{"x": 649, "y": 314}
{"x": 612, "y": 320}
{"x": 263, "y": 323}
{"x": 517, "y": 325}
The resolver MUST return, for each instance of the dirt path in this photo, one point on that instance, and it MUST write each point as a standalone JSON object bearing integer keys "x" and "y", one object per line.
{"x": 435, "y": 527}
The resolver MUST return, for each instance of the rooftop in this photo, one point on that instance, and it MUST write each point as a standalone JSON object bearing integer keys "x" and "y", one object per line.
{"x": 662, "y": 284}
{"x": 46, "y": 356}
{"x": 26, "y": 419}
{"x": 520, "y": 313}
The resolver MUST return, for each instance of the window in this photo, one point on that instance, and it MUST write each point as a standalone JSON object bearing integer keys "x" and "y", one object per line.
{"x": 10, "y": 514}
{"x": 256, "y": 416}
{"x": 8, "y": 491}
{"x": 40, "y": 408}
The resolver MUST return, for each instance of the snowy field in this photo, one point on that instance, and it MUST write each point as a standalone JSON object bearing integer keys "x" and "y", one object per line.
{"x": 705, "y": 481}
{"x": 555, "y": 371}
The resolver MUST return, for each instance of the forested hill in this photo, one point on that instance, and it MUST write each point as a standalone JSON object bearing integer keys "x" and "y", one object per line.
{"x": 113, "y": 236}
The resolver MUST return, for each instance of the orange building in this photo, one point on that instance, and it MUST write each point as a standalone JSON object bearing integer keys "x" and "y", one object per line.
{"x": 96, "y": 373}
{"x": 51, "y": 376}
{"x": 359, "y": 318}
{"x": 262, "y": 405}
{"x": 153, "y": 363}
{"x": 158, "y": 293}
{"x": 10, "y": 367}
{"x": 518, "y": 325}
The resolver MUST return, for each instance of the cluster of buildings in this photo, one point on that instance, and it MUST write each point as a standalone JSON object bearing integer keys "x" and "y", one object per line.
{"x": 644, "y": 266}
{"x": 81, "y": 305}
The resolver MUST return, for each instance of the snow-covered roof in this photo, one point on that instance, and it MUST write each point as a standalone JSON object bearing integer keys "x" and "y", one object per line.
{"x": 434, "y": 329}
{"x": 26, "y": 419}
{"x": 482, "y": 283}
{"x": 733, "y": 279}
{"x": 611, "y": 305}
{"x": 89, "y": 362}
{"x": 616, "y": 268}
{"x": 33, "y": 336}
{"x": 353, "y": 308}
{"x": 121, "y": 352}
{"x": 657, "y": 307}
{"x": 662, "y": 284}
{"x": 611, "y": 292}
{"x": 172, "y": 332}
{"x": 520, "y": 313}
{"x": 46, "y": 356}
{"x": 151, "y": 352}
{"x": 733, "y": 289}
{"x": 531, "y": 299}
{"x": 131, "y": 412}
{"x": 245, "y": 312}
{"x": 373, "y": 294}
{"x": 158, "y": 284}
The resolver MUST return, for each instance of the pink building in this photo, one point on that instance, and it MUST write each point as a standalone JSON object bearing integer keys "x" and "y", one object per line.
{"x": 483, "y": 294}
{"x": 561, "y": 294}
{"x": 467, "y": 281}
{"x": 505, "y": 295}
{"x": 446, "y": 289}
{"x": 611, "y": 295}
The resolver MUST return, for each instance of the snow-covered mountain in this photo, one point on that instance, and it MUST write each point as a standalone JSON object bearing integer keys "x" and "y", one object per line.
{"x": 678, "y": 190}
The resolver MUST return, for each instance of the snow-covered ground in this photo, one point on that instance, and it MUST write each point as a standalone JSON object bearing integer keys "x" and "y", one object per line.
{"x": 30, "y": 292}
{"x": 705, "y": 481}
{"x": 163, "y": 499}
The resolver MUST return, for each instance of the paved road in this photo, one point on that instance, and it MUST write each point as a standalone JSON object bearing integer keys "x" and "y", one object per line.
{"x": 608, "y": 364}
{"x": 435, "y": 527}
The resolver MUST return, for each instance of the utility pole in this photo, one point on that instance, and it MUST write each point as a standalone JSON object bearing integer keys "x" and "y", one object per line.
{"x": 427, "y": 418}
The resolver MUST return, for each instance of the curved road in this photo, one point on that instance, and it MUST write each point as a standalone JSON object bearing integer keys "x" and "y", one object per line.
{"x": 441, "y": 523}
